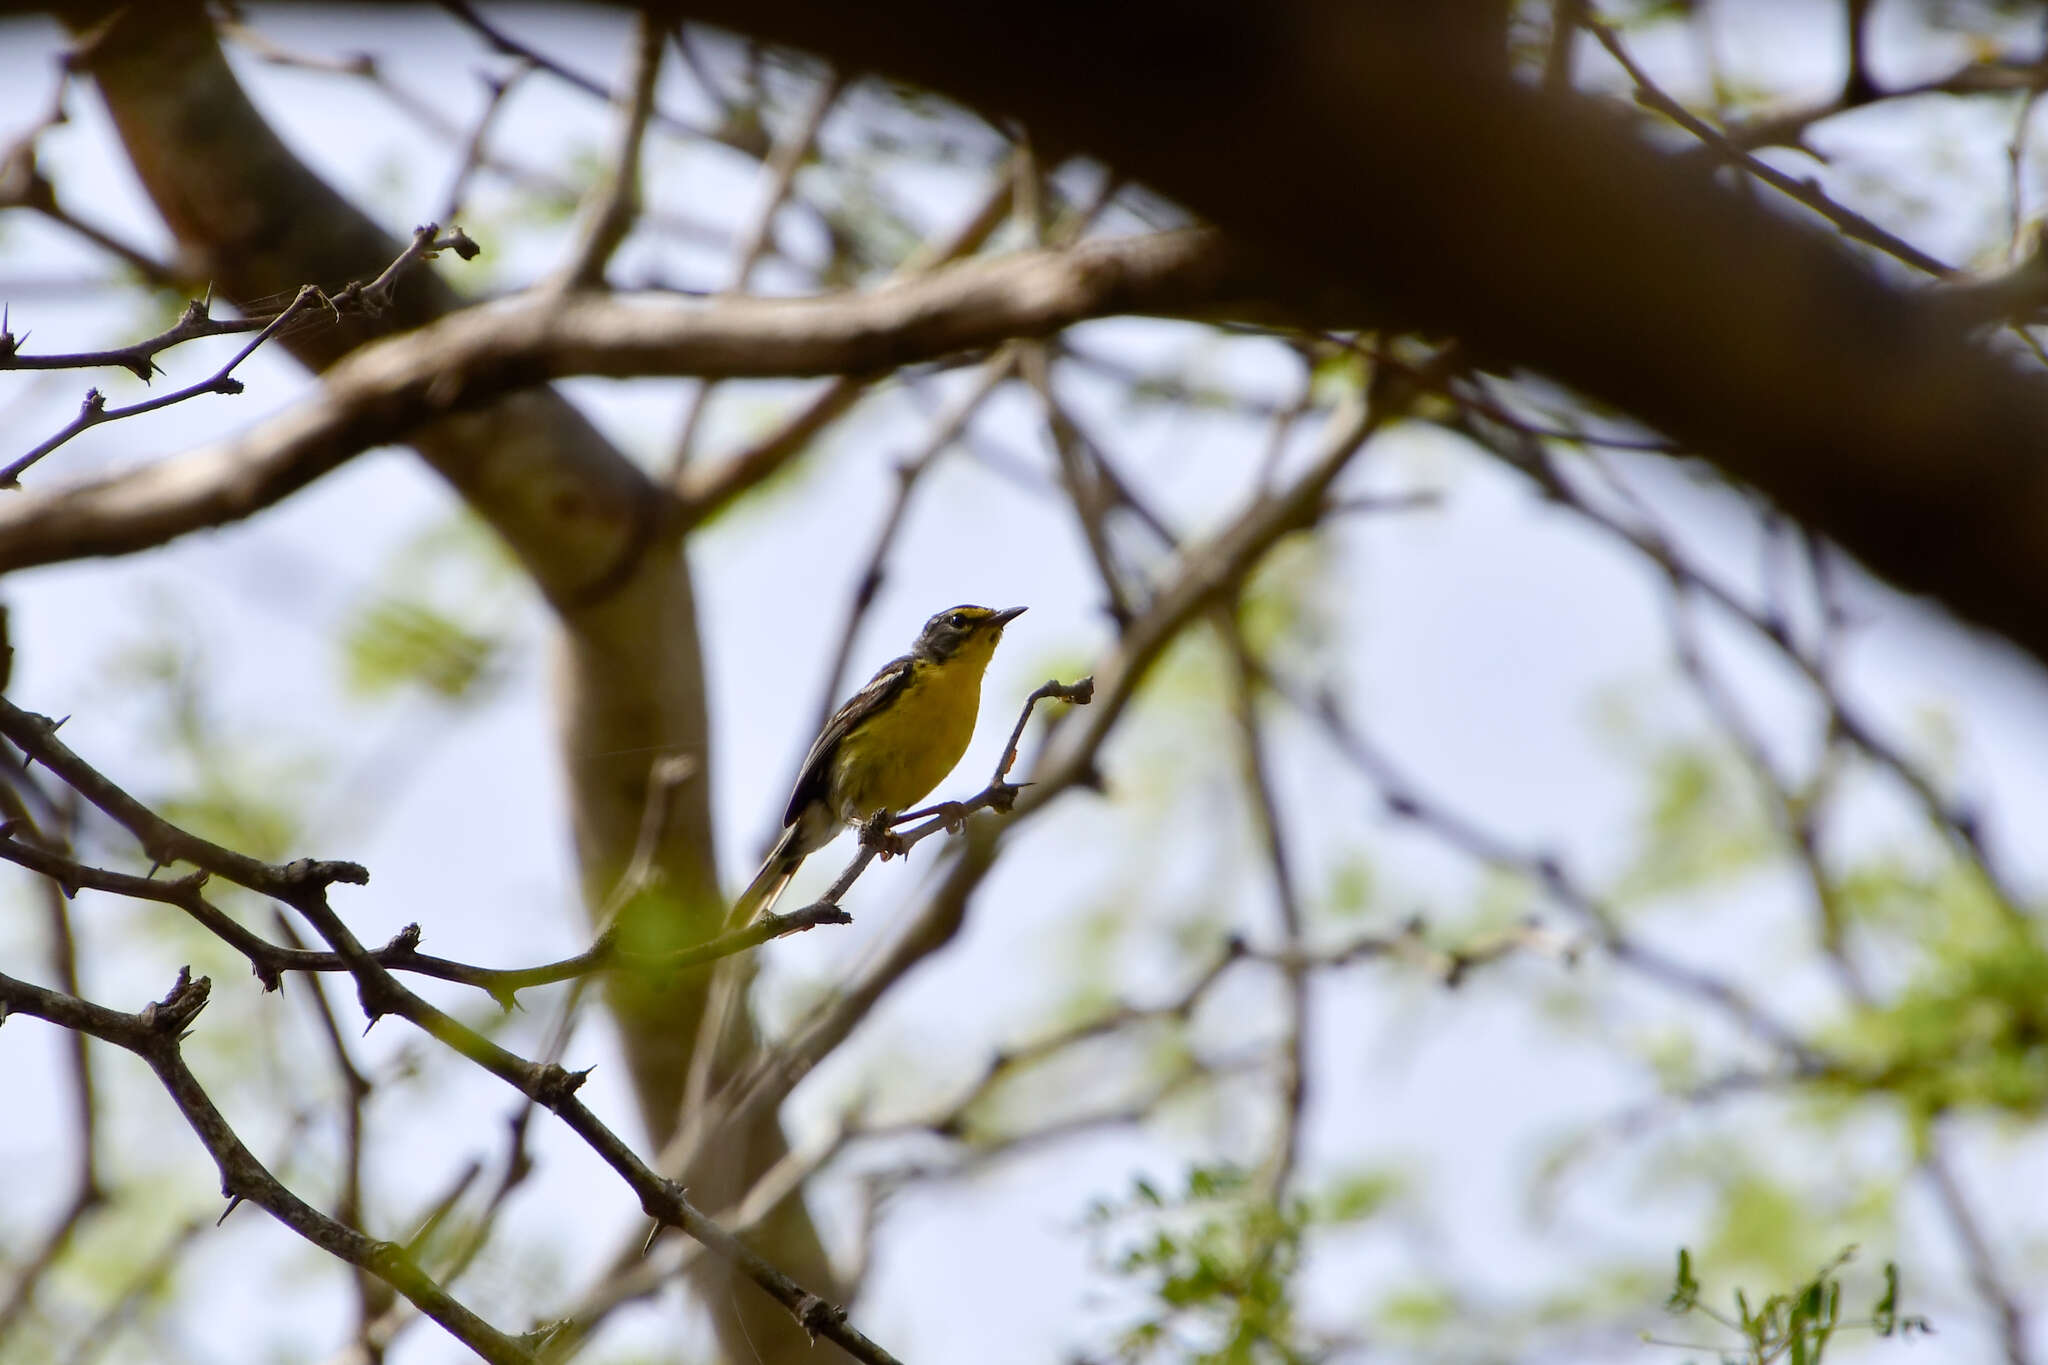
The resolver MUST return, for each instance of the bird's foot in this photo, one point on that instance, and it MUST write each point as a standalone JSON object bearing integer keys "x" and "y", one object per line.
{"x": 953, "y": 815}
{"x": 876, "y": 834}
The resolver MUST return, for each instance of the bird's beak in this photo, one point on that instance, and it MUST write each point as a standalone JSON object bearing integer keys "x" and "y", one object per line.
{"x": 1003, "y": 618}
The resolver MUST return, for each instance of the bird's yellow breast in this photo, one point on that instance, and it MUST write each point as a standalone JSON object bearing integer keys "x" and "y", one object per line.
{"x": 893, "y": 759}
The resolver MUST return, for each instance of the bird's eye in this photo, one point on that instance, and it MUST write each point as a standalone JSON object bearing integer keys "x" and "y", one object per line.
{"x": 958, "y": 620}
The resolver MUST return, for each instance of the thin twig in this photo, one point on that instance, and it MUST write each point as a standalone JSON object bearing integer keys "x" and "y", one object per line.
{"x": 778, "y": 179}
{"x": 614, "y": 202}
{"x": 1258, "y": 779}
{"x": 372, "y": 1296}
{"x": 369, "y": 298}
{"x": 94, "y": 410}
{"x": 1808, "y": 192}
{"x": 138, "y": 358}
{"x": 270, "y": 961}
{"x": 1955, "y": 819}
{"x": 470, "y": 157}
{"x": 1404, "y": 801}
{"x": 1985, "y": 1274}
{"x": 542, "y": 60}
{"x": 87, "y": 1194}
{"x": 778, "y": 174}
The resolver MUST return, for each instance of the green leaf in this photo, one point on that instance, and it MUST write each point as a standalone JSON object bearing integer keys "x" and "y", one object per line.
{"x": 394, "y": 643}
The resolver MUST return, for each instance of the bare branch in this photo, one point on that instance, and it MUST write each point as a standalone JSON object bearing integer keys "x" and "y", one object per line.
{"x": 1902, "y": 423}
{"x": 1955, "y": 819}
{"x": 475, "y": 147}
{"x": 87, "y": 1194}
{"x": 1404, "y": 801}
{"x": 270, "y": 961}
{"x": 371, "y": 1296}
{"x": 614, "y": 202}
{"x": 778, "y": 178}
{"x": 708, "y": 492}
{"x": 504, "y": 42}
{"x": 303, "y": 886}
{"x": 1849, "y": 222}
{"x": 154, "y": 1035}
{"x": 1985, "y": 1275}
{"x": 164, "y": 842}
{"x": 1257, "y": 762}
{"x": 386, "y": 389}
{"x": 1206, "y": 574}
{"x": 778, "y": 172}
{"x": 94, "y": 410}
{"x": 371, "y": 298}
{"x": 137, "y": 357}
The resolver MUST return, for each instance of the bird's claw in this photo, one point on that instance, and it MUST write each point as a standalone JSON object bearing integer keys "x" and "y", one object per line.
{"x": 875, "y": 834}
{"x": 953, "y": 815}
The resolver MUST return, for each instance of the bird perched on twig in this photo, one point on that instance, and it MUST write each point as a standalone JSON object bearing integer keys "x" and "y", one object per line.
{"x": 886, "y": 748}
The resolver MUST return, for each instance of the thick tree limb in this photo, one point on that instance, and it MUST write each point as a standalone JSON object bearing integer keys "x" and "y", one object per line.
{"x": 391, "y": 389}
{"x": 1384, "y": 145}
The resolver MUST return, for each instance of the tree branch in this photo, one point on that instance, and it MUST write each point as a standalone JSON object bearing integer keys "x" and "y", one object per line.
{"x": 1540, "y": 228}
{"x": 154, "y": 1035}
{"x": 387, "y": 389}
{"x": 303, "y": 886}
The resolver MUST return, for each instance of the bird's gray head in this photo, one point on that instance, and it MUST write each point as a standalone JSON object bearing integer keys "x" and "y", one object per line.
{"x": 962, "y": 627}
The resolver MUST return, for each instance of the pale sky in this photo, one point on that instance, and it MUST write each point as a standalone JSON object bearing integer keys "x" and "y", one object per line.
{"x": 1478, "y": 641}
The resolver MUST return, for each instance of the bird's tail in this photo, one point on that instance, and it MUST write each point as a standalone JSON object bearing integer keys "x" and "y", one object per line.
{"x": 761, "y": 893}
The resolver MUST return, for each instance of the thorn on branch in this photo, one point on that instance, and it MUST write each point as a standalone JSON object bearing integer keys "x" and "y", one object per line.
{"x": 817, "y": 1317}
{"x": 402, "y": 945}
{"x": 553, "y": 1084}
{"x": 317, "y": 874}
{"x": 179, "y": 1007}
{"x": 378, "y": 995}
{"x": 660, "y": 1204}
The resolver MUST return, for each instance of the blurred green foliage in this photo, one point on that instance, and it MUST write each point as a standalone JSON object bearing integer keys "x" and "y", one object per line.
{"x": 1970, "y": 1028}
{"x": 393, "y": 643}
{"x": 442, "y": 618}
{"x": 1216, "y": 1259}
{"x": 1796, "y": 1325}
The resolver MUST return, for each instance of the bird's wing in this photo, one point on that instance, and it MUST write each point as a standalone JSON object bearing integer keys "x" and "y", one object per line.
{"x": 816, "y": 775}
